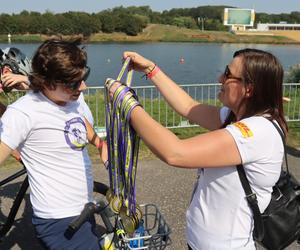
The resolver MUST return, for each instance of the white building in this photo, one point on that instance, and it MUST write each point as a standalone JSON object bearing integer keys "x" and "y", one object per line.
{"x": 277, "y": 26}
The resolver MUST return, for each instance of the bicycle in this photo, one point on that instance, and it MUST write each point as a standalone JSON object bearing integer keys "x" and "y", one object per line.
{"x": 156, "y": 233}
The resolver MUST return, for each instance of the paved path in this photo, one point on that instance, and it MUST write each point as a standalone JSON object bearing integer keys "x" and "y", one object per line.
{"x": 169, "y": 188}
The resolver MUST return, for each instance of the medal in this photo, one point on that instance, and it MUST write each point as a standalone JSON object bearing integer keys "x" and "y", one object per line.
{"x": 115, "y": 204}
{"x": 138, "y": 212}
{"x": 129, "y": 223}
{"x": 109, "y": 195}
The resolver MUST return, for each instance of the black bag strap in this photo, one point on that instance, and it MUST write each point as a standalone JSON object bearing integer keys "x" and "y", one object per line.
{"x": 284, "y": 144}
{"x": 251, "y": 197}
{"x": 252, "y": 201}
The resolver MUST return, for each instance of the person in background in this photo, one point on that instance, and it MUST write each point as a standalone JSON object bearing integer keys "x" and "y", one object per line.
{"x": 218, "y": 216}
{"x": 49, "y": 131}
{"x": 15, "y": 68}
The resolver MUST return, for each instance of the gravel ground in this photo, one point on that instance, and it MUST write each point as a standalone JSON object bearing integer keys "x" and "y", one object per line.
{"x": 169, "y": 188}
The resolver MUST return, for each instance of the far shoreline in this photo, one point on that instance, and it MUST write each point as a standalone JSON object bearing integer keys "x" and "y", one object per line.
{"x": 155, "y": 33}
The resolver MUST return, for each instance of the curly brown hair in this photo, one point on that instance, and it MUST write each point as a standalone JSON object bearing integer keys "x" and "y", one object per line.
{"x": 57, "y": 61}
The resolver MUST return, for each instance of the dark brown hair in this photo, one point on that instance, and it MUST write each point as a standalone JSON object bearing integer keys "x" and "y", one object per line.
{"x": 264, "y": 72}
{"x": 57, "y": 61}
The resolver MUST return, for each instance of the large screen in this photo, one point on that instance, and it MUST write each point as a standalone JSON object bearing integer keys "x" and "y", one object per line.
{"x": 239, "y": 16}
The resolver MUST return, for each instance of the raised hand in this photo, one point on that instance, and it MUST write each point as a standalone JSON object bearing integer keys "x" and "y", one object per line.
{"x": 17, "y": 81}
{"x": 138, "y": 62}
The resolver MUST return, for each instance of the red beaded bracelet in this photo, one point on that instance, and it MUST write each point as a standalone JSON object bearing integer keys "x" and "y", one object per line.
{"x": 153, "y": 72}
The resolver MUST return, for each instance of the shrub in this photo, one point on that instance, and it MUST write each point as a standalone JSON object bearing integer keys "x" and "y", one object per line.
{"x": 293, "y": 74}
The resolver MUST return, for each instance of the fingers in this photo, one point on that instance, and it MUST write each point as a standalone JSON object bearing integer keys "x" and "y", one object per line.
{"x": 15, "y": 80}
{"x": 129, "y": 54}
{"x": 138, "y": 62}
{"x": 16, "y": 155}
{"x": 132, "y": 56}
{"x": 113, "y": 88}
{"x": 7, "y": 82}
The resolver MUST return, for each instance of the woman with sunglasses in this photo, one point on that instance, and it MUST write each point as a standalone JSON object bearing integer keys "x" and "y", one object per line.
{"x": 240, "y": 132}
{"x": 49, "y": 130}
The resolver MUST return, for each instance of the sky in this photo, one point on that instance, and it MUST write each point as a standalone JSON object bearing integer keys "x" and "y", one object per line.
{"x": 94, "y": 6}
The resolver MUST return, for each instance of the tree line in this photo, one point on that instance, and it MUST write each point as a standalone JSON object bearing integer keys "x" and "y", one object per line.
{"x": 130, "y": 20}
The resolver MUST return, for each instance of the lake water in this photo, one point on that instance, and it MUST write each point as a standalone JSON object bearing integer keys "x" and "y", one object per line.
{"x": 203, "y": 62}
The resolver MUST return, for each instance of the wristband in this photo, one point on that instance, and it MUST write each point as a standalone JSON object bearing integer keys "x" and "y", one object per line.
{"x": 153, "y": 72}
{"x": 100, "y": 145}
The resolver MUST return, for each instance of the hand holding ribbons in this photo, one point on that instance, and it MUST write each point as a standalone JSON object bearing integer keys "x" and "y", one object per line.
{"x": 138, "y": 62}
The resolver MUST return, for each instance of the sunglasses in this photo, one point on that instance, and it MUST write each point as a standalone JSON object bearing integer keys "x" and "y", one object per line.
{"x": 76, "y": 85}
{"x": 227, "y": 75}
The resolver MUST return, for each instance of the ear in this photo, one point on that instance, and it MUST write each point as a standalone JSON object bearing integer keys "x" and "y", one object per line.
{"x": 249, "y": 90}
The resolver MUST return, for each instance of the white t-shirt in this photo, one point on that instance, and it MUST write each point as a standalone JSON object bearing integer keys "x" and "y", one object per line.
{"x": 219, "y": 216}
{"x": 51, "y": 140}
{"x": 84, "y": 109}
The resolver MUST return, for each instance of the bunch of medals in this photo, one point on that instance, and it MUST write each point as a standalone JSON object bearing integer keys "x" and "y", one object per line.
{"x": 123, "y": 145}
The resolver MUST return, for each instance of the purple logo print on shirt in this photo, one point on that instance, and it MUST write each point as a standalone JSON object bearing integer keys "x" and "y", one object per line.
{"x": 75, "y": 133}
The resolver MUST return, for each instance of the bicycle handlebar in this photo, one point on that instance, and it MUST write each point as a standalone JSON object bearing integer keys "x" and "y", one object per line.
{"x": 99, "y": 206}
{"x": 102, "y": 207}
{"x": 88, "y": 211}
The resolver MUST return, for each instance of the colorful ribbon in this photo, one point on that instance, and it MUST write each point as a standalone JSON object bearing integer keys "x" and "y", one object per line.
{"x": 123, "y": 143}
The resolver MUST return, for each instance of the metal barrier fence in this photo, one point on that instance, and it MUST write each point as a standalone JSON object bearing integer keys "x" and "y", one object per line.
{"x": 155, "y": 105}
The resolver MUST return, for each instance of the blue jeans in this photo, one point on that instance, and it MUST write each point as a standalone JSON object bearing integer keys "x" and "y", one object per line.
{"x": 54, "y": 235}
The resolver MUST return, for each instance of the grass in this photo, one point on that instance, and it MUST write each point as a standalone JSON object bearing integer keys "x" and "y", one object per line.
{"x": 294, "y": 135}
{"x": 167, "y": 33}
{"x": 23, "y": 38}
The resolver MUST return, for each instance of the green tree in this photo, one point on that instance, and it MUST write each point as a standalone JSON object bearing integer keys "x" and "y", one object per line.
{"x": 293, "y": 74}
{"x": 51, "y": 23}
{"x": 141, "y": 10}
{"x": 214, "y": 24}
{"x": 130, "y": 24}
{"x": 295, "y": 16}
{"x": 186, "y": 22}
{"x": 262, "y": 18}
{"x": 108, "y": 23}
{"x": 82, "y": 23}
{"x": 8, "y": 24}
{"x": 155, "y": 17}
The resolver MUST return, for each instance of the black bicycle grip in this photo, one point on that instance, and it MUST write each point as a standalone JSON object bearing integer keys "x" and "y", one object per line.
{"x": 102, "y": 207}
{"x": 88, "y": 211}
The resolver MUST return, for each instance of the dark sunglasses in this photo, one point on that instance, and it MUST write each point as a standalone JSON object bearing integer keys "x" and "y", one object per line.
{"x": 227, "y": 75}
{"x": 76, "y": 85}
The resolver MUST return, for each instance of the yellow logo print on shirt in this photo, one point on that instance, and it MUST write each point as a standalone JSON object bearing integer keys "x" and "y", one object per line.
{"x": 246, "y": 132}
